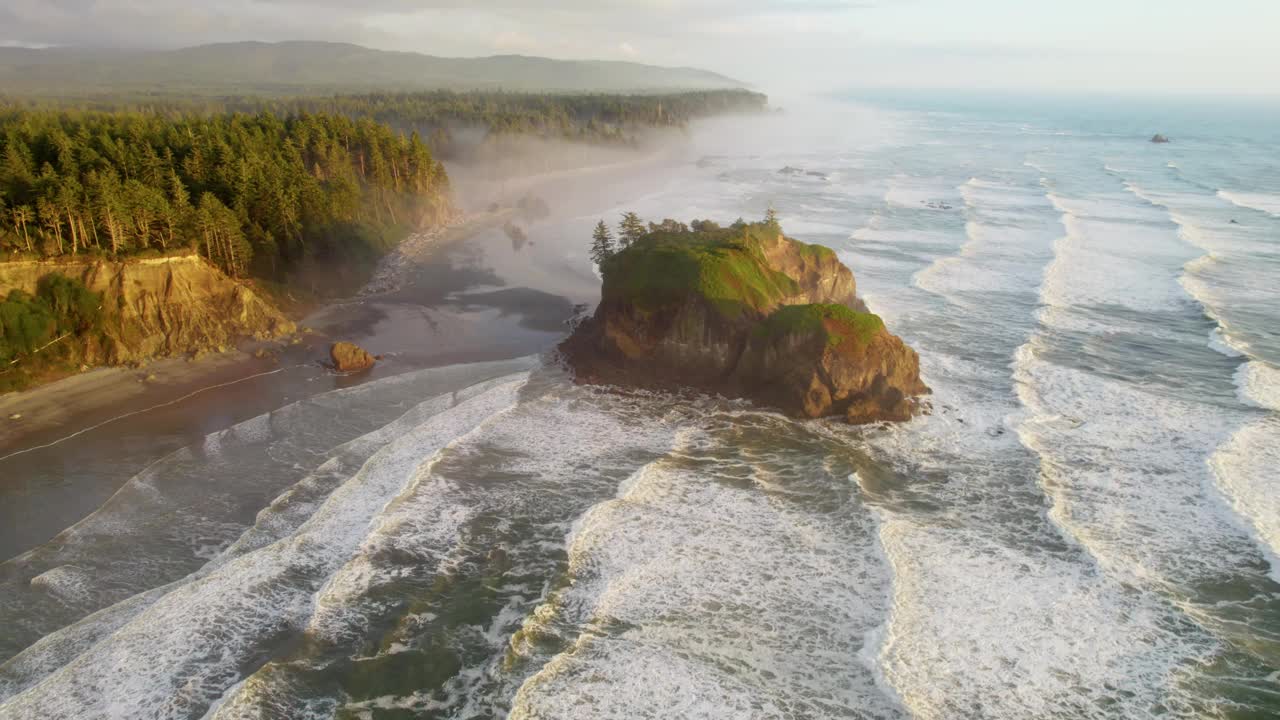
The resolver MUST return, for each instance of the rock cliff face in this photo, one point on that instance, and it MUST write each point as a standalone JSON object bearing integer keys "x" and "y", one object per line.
{"x": 158, "y": 307}
{"x": 750, "y": 313}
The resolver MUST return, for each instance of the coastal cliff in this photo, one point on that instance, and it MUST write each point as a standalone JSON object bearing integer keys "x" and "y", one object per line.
{"x": 141, "y": 309}
{"x": 746, "y": 312}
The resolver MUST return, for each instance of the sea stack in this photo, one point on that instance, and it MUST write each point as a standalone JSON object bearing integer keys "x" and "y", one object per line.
{"x": 1159, "y": 139}
{"x": 746, "y": 312}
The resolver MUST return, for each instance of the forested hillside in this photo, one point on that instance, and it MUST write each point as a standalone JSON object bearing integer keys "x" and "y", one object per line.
{"x": 304, "y": 192}
{"x": 438, "y": 116}
{"x": 584, "y": 117}
{"x": 256, "y": 194}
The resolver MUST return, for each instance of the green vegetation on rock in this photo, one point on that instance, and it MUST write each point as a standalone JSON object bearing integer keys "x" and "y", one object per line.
{"x": 744, "y": 311}
{"x": 32, "y": 324}
{"x": 848, "y": 324}
{"x": 724, "y": 265}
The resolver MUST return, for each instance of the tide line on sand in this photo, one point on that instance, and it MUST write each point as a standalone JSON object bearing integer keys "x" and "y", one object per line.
{"x": 157, "y": 406}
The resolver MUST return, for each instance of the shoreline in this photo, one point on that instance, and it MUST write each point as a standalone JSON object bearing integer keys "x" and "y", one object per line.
{"x": 54, "y": 412}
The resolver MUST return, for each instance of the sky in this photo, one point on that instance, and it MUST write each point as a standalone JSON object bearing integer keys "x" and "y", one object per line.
{"x": 1193, "y": 46}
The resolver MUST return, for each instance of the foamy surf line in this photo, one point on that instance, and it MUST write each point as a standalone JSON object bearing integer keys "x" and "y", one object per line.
{"x": 665, "y": 608}
{"x": 1262, "y": 202}
{"x": 184, "y": 650}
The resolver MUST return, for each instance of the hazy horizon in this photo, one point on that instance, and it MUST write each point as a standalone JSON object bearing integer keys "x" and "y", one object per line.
{"x": 801, "y": 45}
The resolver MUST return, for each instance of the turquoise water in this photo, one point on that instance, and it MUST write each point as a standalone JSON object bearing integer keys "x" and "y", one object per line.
{"x": 1086, "y": 525}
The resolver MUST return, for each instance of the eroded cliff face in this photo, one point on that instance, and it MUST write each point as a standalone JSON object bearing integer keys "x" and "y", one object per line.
{"x": 158, "y": 307}
{"x": 747, "y": 313}
{"x": 824, "y": 360}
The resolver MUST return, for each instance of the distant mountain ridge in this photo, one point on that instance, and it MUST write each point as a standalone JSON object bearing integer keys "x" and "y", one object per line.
{"x": 321, "y": 67}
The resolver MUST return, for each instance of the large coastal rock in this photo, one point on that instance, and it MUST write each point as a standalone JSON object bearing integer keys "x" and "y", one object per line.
{"x": 349, "y": 357}
{"x": 746, "y": 312}
{"x": 158, "y": 307}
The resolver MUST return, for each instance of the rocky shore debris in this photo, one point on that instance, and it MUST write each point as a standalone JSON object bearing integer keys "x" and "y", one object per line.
{"x": 396, "y": 265}
{"x": 349, "y": 357}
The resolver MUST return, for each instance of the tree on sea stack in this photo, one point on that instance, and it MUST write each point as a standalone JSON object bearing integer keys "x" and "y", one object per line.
{"x": 747, "y": 313}
{"x": 771, "y": 218}
{"x": 602, "y": 244}
{"x": 630, "y": 229}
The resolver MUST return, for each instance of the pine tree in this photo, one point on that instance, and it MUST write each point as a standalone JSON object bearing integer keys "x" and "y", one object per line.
{"x": 21, "y": 216}
{"x": 287, "y": 189}
{"x": 771, "y": 217}
{"x": 602, "y": 244}
{"x": 630, "y": 229}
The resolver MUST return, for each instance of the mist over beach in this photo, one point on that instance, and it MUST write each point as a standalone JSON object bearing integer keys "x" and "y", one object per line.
{"x": 541, "y": 362}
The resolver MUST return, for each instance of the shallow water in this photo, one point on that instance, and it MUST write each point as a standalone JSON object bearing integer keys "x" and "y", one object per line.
{"x": 1085, "y": 525}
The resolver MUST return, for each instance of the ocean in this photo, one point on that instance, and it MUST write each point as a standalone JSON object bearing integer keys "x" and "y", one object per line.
{"x": 1085, "y": 525}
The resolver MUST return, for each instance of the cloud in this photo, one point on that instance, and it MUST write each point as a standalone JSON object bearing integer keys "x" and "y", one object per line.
{"x": 782, "y": 45}
{"x": 512, "y": 41}
{"x": 170, "y": 23}
{"x": 704, "y": 33}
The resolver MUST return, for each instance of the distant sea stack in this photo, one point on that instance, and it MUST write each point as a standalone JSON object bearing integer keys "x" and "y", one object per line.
{"x": 746, "y": 312}
{"x": 1159, "y": 139}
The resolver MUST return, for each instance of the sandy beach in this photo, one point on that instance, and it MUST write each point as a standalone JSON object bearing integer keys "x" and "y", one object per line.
{"x": 72, "y": 401}
{"x": 464, "y": 293}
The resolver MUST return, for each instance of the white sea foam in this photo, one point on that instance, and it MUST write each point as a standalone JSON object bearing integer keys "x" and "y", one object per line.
{"x": 181, "y": 653}
{"x": 1125, "y": 465}
{"x": 985, "y": 620}
{"x": 1264, "y": 202}
{"x": 1127, "y": 470}
{"x": 1259, "y": 385}
{"x": 1222, "y": 343}
{"x": 981, "y": 628}
{"x": 425, "y": 520}
{"x": 534, "y": 467}
{"x": 713, "y": 587}
{"x": 1245, "y": 468}
{"x": 67, "y": 583}
{"x": 147, "y": 535}
{"x": 1006, "y": 239}
{"x": 1102, "y": 262}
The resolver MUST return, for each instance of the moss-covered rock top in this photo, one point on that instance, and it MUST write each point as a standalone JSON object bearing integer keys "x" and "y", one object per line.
{"x": 839, "y": 323}
{"x": 727, "y": 266}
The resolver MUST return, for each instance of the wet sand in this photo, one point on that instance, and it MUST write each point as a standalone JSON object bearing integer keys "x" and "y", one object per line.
{"x": 470, "y": 293}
